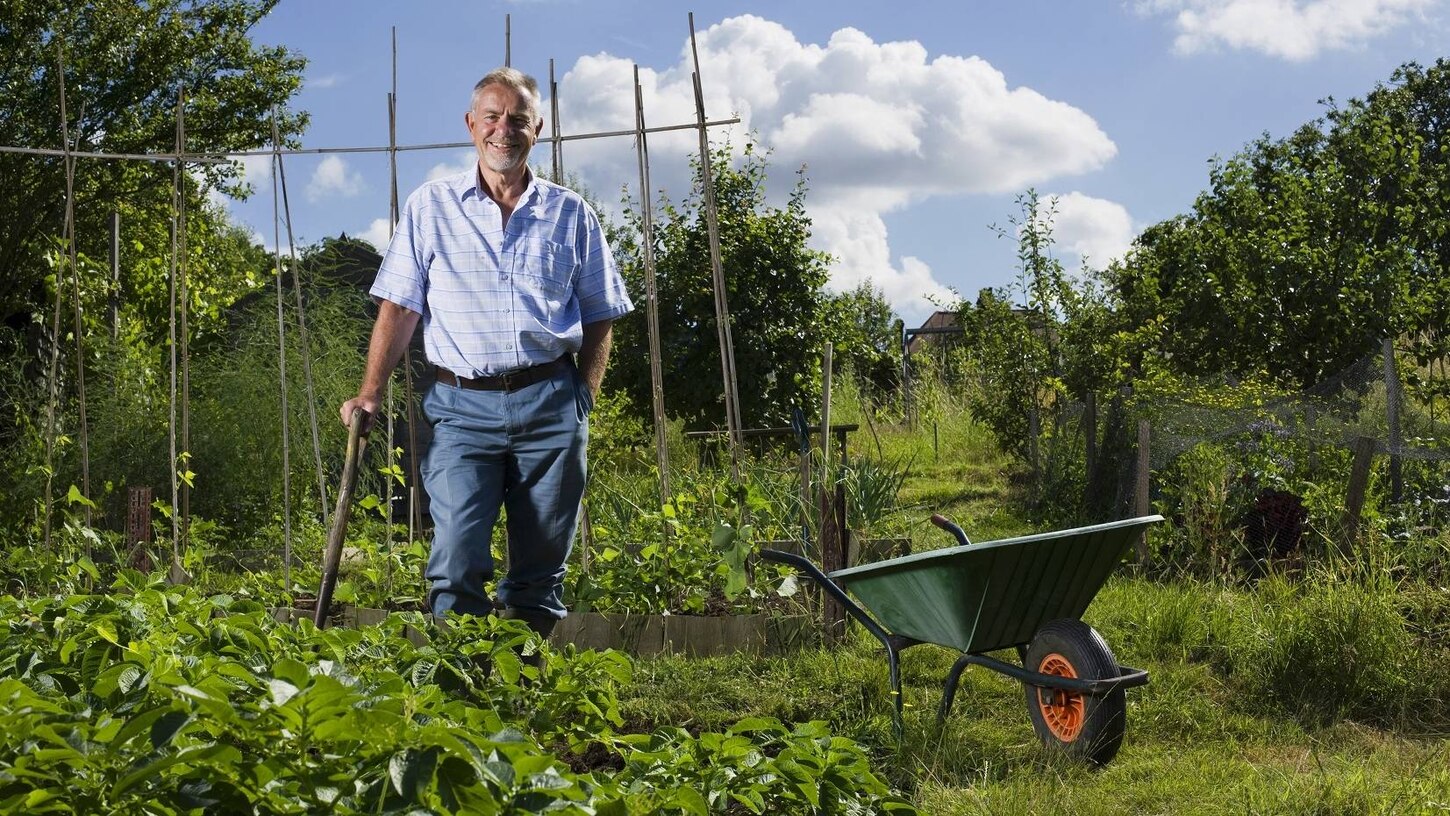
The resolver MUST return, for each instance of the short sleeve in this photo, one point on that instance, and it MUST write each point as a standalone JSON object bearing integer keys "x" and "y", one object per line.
{"x": 403, "y": 276}
{"x": 600, "y": 287}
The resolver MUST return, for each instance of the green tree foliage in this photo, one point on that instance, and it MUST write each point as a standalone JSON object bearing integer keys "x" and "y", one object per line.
{"x": 125, "y": 65}
{"x": 1305, "y": 251}
{"x": 866, "y": 335}
{"x": 777, "y": 306}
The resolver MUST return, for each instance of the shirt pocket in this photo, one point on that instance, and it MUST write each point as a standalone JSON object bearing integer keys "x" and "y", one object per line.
{"x": 547, "y": 272}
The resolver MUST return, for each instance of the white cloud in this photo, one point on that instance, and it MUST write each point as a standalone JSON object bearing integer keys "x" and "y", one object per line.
{"x": 859, "y": 243}
{"x": 1290, "y": 29}
{"x": 257, "y": 172}
{"x": 878, "y": 126}
{"x": 1096, "y": 230}
{"x": 333, "y": 179}
{"x": 465, "y": 161}
{"x": 378, "y": 234}
{"x": 324, "y": 82}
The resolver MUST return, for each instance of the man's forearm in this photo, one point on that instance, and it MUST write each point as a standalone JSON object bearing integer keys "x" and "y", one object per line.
{"x": 594, "y": 353}
{"x": 391, "y": 333}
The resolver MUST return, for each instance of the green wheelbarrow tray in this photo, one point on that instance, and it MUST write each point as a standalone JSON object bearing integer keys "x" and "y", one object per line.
{"x": 979, "y": 598}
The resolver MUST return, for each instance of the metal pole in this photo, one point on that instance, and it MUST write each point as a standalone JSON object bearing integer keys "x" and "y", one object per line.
{"x": 508, "y": 41}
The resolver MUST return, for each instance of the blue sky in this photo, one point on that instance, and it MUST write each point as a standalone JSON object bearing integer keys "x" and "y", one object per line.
{"x": 918, "y": 122}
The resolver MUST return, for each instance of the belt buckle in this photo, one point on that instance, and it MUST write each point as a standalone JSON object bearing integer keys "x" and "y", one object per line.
{"x": 508, "y": 380}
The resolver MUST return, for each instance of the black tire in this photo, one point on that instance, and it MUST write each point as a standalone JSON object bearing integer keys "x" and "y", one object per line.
{"x": 1086, "y": 727}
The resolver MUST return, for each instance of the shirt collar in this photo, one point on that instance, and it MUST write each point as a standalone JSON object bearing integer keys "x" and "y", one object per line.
{"x": 466, "y": 184}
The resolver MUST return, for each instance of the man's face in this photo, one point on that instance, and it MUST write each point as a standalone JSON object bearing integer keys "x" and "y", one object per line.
{"x": 502, "y": 127}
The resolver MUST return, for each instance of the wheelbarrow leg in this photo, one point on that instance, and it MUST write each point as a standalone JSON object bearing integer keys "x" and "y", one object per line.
{"x": 949, "y": 693}
{"x": 893, "y": 660}
{"x": 893, "y": 644}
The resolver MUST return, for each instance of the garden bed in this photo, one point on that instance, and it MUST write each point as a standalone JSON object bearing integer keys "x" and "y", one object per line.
{"x": 639, "y": 635}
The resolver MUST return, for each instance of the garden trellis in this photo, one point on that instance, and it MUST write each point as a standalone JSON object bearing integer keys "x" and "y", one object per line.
{"x": 178, "y": 425}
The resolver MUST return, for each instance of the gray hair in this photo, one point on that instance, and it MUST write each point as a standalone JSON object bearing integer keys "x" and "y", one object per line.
{"x": 526, "y": 86}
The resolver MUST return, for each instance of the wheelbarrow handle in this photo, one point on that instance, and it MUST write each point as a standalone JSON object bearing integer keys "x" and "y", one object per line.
{"x": 952, "y": 527}
{"x": 831, "y": 588}
{"x": 332, "y": 556}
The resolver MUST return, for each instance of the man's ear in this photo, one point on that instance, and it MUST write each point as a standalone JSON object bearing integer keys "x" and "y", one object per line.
{"x": 539, "y": 127}
{"x": 468, "y": 120}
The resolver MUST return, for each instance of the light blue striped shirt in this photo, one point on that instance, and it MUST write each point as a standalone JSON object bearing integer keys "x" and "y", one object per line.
{"x": 493, "y": 298}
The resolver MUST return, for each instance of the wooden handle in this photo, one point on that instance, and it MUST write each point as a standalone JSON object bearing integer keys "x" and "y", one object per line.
{"x": 332, "y": 556}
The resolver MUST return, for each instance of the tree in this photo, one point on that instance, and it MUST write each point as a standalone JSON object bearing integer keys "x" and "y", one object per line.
{"x": 774, "y": 283}
{"x": 1306, "y": 251}
{"x": 125, "y": 65}
{"x": 866, "y": 334}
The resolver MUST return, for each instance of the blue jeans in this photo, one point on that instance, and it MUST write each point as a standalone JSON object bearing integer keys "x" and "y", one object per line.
{"x": 522, "y": 450}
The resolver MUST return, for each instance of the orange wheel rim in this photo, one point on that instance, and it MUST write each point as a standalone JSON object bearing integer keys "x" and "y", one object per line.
{"x": 1062, "y": 711}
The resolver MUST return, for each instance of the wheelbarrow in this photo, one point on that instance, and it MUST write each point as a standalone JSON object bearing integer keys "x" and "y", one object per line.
{"x": 1025, "y": 593}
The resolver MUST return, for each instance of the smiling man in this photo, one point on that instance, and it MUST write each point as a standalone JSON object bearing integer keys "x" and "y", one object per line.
{"x": 517, "y": 291}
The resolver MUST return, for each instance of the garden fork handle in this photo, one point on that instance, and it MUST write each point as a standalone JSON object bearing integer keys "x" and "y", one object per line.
{"x": 332, "y": 556}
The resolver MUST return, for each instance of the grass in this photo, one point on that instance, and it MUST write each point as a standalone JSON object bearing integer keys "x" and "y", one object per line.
{"x": 1325, "y": 695}
{"x": 1200, "y": 739}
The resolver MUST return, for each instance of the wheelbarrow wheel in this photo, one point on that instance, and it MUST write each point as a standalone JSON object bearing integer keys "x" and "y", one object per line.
{"x": 1085, "y": 726}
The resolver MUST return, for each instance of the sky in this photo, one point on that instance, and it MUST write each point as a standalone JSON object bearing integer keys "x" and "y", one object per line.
{"x": 917, "y": 124}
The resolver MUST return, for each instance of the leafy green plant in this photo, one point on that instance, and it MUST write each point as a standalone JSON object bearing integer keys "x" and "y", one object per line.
{"x": 162, "y": 700}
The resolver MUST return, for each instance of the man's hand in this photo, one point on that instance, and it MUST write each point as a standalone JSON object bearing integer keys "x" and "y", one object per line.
{"x": 391, "y": 333}
{"x": 370, "y": 405}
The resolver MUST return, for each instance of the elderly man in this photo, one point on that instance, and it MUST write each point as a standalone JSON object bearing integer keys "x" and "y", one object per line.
{"x": 513, "y": 278}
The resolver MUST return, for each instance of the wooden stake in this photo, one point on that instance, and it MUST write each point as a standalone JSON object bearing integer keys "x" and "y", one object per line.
{"x": 1140, "y": 491}
{"x": 651, "y": 296}
{"x": 304, "y": 342}
{"x": 183, "y": 299}
{"x": 415, "y": 501}
{"x": 826, "y": 475}
{"x": 556, "y": 147}
{"x": 722, "y": 304}
{"x": 177, "y": 574}
{"x": 1359, "y": 473}
{"x": 1392, "y": 405}
{"x": 70, "y": 241}
{"x": 282, "y": 366}
{"x": 115, "y": 276}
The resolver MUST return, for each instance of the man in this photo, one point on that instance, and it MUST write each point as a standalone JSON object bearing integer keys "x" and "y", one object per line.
{"x": 512, "y": 277}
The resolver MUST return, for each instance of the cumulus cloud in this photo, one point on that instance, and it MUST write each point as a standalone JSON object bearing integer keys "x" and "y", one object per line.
{"x": 257, "y": 172}
{"x": 462, "y": 163}
{"x": 333, "y": 179}
{"x": 858, "y": 240}
{"x": 1096, "y": 230}
{"x": 378, "y": 234}
{"x": 1294, "y": 30}
{"x": 877, "y": 125}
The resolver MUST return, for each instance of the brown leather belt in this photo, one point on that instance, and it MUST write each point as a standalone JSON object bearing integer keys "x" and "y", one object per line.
{"x": 512, "y": 381}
